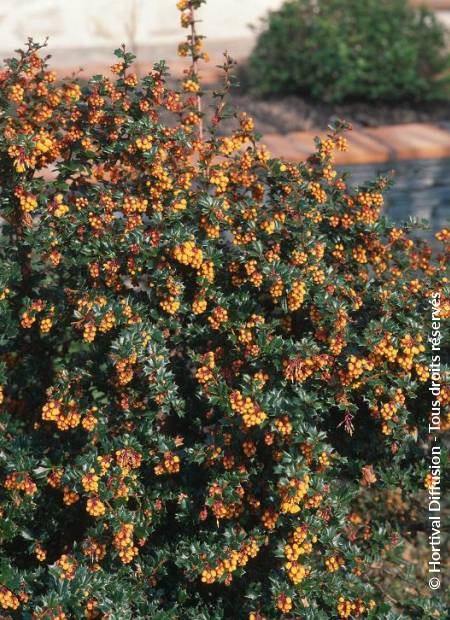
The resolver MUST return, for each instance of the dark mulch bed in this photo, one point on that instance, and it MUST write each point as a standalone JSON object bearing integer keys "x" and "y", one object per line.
{"x": 291, "y": 113}
{"x": 284, "y": 114}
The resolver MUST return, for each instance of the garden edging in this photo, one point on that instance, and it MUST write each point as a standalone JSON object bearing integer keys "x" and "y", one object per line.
{"x": 369, "y": 145}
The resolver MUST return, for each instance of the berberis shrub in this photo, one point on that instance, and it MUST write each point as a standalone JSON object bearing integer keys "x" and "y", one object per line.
{"x": 336, "y": 50}
{"x": 206, "y": 356}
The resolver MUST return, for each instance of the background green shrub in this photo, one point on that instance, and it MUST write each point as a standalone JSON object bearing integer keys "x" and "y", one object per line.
{"x": 337, "y": 50}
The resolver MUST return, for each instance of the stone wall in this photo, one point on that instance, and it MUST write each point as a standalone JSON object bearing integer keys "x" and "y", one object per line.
{"x": 421, "y": 190}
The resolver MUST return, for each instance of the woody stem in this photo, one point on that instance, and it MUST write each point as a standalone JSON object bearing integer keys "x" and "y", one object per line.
{"x": 194, "y": 70}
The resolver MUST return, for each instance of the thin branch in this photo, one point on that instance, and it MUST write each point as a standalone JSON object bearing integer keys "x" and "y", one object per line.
{"x": 194, "y": 67}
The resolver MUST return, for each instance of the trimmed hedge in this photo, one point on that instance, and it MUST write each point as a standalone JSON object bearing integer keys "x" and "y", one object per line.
{"x": 344, "y": 50}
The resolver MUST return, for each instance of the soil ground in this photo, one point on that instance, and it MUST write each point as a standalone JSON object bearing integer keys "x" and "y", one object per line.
{"x": 283, "y": 115}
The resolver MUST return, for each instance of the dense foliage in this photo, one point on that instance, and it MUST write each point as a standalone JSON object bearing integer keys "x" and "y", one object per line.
{"x": 335, "y": 50}
{"x": 206, "y": 356}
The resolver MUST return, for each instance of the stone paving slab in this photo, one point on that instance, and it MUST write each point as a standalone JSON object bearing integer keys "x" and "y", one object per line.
{"x": 437, "y": 5}
{"x": 362, "y": 147}
{"x": 372, "y": 145}
{"x": 414, "y": 140}
{"x": 292, "y": 148}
